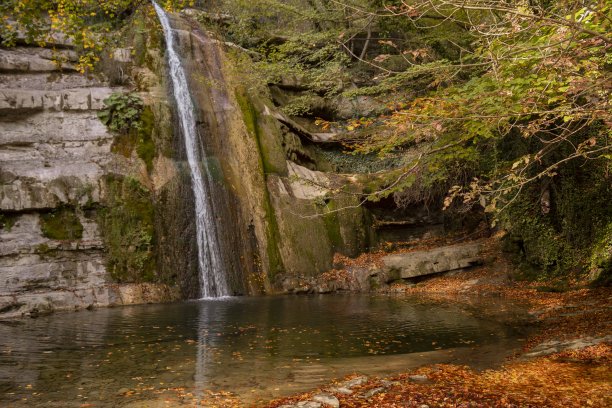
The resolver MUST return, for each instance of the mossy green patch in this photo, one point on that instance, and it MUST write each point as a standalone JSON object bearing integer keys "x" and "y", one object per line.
{"x": 275, "y": 261}
{"x": 138, "y": 139}
{"x": 7, "y": 221}
{"x": 332, "y": 225}
{"x": 601, "y": 258}
{"x": 561, "y": 242}
{"x": 43, "y": 249}
{"x": 270, "y": 152}
{"x": 249, "y": 114}
{"x": 139, "y": 40}
{"x": 145, "y": 147}
{"x": 133, "y": 124}
{"x": 128, "y": 230}
{"x": 61, "y": 224}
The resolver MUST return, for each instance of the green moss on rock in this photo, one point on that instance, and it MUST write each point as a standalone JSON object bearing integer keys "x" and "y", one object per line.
{"x": 133, "y": 124}
{"x": 61, "y": 224}
{"x": 128, "y": 230}
{"x": 270, "y": 151}
{"x": 145, "y": 146}
{"x": 560, "y": 243}
{"x": 332, "y": 225}
{"x": 7, "y": 221}
{"x": 43, "y": 249}
{"x": 601, "y": 258}
{"x": 275, "y": 261}
{"x": 250, "y": 117}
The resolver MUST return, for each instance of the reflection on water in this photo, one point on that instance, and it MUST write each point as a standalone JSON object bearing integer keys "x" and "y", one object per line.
{"x": 251, "y": 346}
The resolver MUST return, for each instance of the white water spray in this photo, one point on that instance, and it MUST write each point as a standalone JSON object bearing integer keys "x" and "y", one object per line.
{"x": 212, "y": 277}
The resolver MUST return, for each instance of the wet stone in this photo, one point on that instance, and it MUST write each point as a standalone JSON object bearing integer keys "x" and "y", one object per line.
{"x": 355, "y": 382}
{"x": 327, "y": 399}
{"x": 373, "y": 392}
{"x": 418, "y": 378}
{"x": 387, "y": 384}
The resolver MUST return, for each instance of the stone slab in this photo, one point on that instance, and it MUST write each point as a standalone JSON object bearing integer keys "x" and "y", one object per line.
{"x": 25, "y": 59}
{"x": 79, "y": 99}
{"x": 51, "y": 81}
{"x": 436, "y": 260}
{"x": 43, "y": 302}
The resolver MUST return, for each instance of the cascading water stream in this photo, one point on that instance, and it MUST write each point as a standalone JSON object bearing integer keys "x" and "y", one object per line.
{"x": 210, "y": 261}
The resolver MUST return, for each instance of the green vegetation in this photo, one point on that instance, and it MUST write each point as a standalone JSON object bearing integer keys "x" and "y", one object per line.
{"x": 122, "y": 112}
{"x": 43, "y": 249}
{"x": 61, "y": 223}
{"x": 251, "y": 120}
{"x": 132, "y": 122}
{"x": 600, "y": 261}
{"x": 7, "y": 221}
{"x": 332, "y": 224}
{"x": 557, "y": 225}
{"x": 145, "y": 145}
{"x": 482, "y": 105}
{"x": 128, "y": 230}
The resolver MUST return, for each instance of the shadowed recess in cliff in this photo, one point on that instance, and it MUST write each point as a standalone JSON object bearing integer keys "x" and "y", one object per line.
{"x": 214, "y": 257}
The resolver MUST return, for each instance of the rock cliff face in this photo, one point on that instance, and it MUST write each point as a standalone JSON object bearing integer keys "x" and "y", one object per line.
{"x": 54, "y": 155}
{"x": 284, "y": 217}
{"x": 90, "y": 218}
{"x": 279, "y": 218}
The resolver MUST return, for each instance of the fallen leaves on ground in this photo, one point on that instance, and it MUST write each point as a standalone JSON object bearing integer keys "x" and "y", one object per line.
{"x": 571, "y": 378}
{"x": 568, "y": 379}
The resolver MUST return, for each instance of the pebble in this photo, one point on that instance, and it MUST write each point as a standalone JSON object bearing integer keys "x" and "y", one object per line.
{"x": 373, "y": 392}
{"x": 387, "y": 384}
{"x": 342, "y": 390}
{"x": 355, "y": 382}
{"x": 418, "y": 378}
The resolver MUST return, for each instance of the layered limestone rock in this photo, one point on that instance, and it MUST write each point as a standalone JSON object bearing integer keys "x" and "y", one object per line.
{"x": 437, "y": 260}
{"x": 54, "y": 155}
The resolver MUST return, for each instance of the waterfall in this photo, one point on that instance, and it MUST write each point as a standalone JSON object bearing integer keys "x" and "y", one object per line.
{"x": 210, "y": 261}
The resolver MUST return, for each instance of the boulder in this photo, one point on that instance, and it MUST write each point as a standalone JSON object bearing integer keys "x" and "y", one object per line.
{"x": 427, "y": 262}
{"x": 354, "y": 382}
{"x": 373, "y": 392}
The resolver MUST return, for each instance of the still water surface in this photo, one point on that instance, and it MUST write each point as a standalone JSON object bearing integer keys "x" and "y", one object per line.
{"x": 255, "y": 347}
